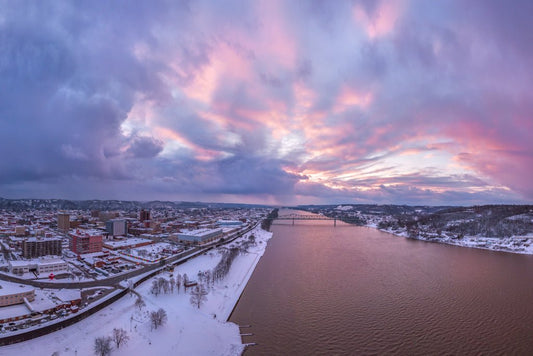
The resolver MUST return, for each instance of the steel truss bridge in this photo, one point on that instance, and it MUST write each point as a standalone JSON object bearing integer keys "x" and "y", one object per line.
{"x": 295, "y": 217}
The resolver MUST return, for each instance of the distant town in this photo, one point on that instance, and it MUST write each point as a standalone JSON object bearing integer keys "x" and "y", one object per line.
{"x": 58, "y": 263}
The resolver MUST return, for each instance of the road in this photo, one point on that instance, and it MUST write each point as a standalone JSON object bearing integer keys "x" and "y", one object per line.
{"x": 115, "y": 280}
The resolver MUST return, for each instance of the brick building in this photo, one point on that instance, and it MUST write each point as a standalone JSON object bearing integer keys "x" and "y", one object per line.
{"x": 63, "y": 222}
{"x": 85, "y": 242}
{"x": 35, "y": 247}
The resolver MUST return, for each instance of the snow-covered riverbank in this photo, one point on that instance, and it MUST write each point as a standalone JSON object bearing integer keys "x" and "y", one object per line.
{"x": 188, "y": 331}
{"x": 515, "y": 244}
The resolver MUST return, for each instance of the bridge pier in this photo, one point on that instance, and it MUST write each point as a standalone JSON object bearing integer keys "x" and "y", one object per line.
{"x": 335, "y": 222}
{"x": 293, "y": 221}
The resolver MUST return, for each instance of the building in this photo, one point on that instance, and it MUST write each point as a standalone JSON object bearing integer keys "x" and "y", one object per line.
{"x": 117, "y": 227}
{"x": 20, "y": 231}
{"x": 11, "y": 293}
{"x": 63, "y": 222}
{"x": 127, "y": 243}
{"x": 144, "y": 215}
{"x": 38, "y": 266}
{"x": 85, "y": 242}
{"x": 229, "y": 223}
{"x": 52, "y": 265}
{"x": 36, "y": 247}
{"x": 200, "y": 236}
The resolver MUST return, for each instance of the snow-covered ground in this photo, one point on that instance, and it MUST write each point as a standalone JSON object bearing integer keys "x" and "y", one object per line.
{"x": 515, "y": 244}
{"x": 188, "y": 331}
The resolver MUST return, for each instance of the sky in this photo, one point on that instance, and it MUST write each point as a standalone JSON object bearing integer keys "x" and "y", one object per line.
{"x": 276, "y": 102}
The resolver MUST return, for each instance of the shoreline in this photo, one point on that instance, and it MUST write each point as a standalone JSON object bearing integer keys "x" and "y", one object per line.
{"x": 494, "y": 244}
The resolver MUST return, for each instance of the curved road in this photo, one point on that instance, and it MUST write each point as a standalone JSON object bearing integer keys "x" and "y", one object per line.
{"x": 113, "y": 281}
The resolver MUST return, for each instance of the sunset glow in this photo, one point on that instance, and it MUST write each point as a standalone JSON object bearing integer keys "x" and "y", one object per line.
{"x": 417, "y": 102}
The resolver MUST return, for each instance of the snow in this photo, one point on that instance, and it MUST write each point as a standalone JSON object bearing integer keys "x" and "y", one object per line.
{"x": 344, "y": 207}
{"x": 514, "y": 244}
{"x": 188, "y": 331}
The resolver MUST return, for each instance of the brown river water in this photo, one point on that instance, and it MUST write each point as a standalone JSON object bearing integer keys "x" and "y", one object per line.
{"x": 348, "y": 290}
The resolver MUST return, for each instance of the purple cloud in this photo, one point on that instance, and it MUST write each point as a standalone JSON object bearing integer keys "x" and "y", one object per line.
{"x": 357, "y": 101}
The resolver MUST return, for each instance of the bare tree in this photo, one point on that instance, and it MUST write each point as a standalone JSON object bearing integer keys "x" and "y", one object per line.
{"x": 160, "y": 283}
{"x": 185, "y": 281}
{"x": 178, "y": 282}
{"x": 155, "y": 289}
{"x": 158, "y": 318}
{"x": 102, "y": 346}
{"x": 198, "y": 295}
{"x": 172, "y": 284}
{"x": 120, "y": 337}
{"x": 200, "y": 276}
{"x": 208, "y": 279}
{"x": 165, "y": 285}
{"x": 139, "y": 303}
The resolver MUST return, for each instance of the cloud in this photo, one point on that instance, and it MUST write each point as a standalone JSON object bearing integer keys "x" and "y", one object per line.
{"x": 145, "y": 147}
{"x": 403, "y": 101}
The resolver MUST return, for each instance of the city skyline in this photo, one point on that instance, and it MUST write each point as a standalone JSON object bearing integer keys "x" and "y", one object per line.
{"x": 274, "y": 102}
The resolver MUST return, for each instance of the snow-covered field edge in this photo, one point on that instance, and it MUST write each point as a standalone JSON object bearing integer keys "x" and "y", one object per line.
{"x": 516, "y": 244}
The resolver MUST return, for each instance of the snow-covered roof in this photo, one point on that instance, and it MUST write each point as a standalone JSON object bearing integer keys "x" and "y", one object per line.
{"x": 7, "y": 288}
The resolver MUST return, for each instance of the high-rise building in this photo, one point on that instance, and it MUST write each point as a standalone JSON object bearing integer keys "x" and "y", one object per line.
{"x": 144, "y": 215}
{"x": 63, "y": 222}
{"x": 85, "y": 242}
{"x": 117, "y": 227}
{"x": 34, "y": 247}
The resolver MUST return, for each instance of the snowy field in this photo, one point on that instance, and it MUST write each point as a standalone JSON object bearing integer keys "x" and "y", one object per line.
{"x": 188, "y": 331}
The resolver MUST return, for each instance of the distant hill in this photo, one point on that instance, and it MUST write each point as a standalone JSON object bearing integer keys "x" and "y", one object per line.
{"x": 456, "y": 222}
{"x": 109, "y": 205}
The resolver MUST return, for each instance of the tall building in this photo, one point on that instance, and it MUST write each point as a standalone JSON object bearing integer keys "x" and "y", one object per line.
{"x": 34, "y": 247}
{"x": 144, "y": 215}
{"x": 117, "y": 227}
{"x": 63, "y": 222}
{"x": 85, "y": 242}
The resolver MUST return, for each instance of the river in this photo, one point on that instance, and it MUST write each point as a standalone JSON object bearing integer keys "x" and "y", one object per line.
{"x": 349, "y": 290}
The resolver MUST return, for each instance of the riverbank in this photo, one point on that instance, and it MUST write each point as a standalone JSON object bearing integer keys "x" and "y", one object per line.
{"x": 516, "y": 244}
{"x": 189, "y": 330}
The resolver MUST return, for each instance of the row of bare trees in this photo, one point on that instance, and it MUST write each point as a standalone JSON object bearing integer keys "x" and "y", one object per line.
{"x": 222, "y": 268}
{"x": 163, "y": 285}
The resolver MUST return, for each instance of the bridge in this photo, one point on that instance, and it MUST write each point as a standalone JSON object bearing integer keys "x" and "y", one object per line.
{"x": 294, "y": 217}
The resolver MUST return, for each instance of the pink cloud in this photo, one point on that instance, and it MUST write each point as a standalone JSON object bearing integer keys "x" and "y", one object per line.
{"x": 382, "y": 20}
